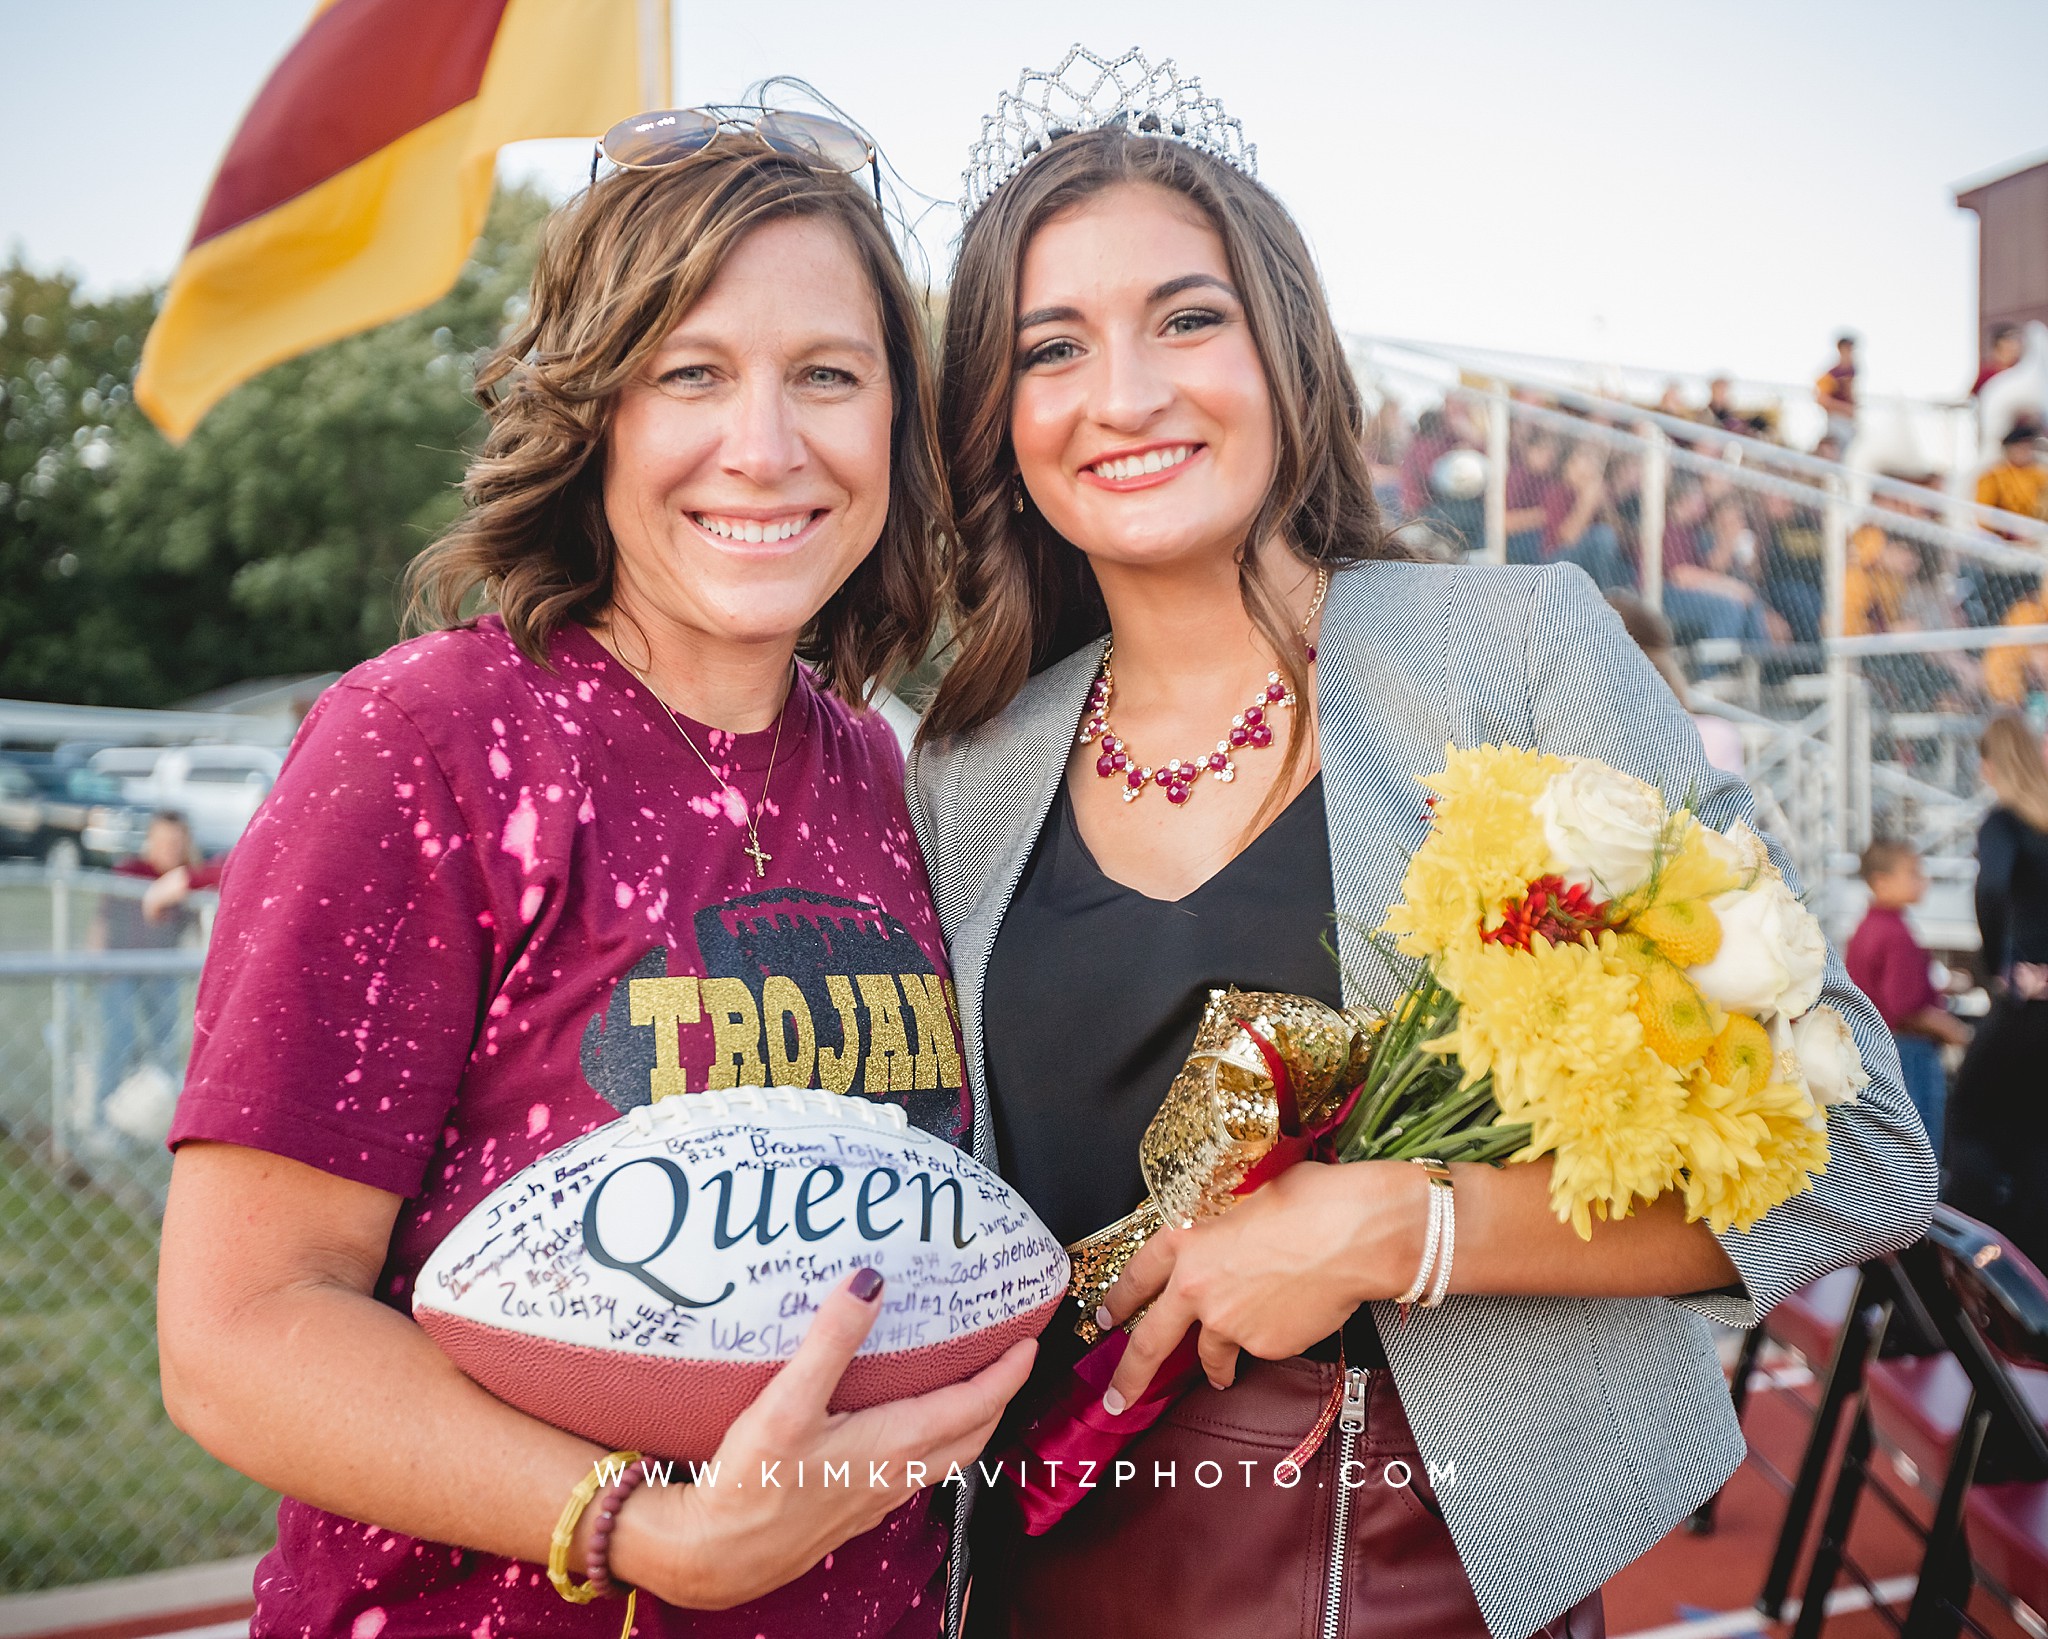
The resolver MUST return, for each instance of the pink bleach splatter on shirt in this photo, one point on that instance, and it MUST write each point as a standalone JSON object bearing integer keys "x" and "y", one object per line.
{"x": 485, "y": 910}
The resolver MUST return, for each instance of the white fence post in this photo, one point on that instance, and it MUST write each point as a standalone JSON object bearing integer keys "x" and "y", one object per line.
{"x": 1650, "y": 523}
{"x": 1841, "y": 668}
{"x": 654, "y": 54}
{"x": 60, "y": 1015}
{"x": 1497, "y": 474}
{"x": 1961, "y": 487}
{"x": 1858, "y": 805}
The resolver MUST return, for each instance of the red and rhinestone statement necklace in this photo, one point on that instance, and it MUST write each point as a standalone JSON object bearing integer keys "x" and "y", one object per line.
{"x": 1251, "y": 727}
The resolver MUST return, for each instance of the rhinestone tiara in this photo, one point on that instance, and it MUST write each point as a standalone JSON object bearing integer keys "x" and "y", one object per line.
{"x": 1086, "y": 93}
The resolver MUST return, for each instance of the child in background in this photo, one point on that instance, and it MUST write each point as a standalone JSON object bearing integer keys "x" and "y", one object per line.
{"x": 1889, "y": 967}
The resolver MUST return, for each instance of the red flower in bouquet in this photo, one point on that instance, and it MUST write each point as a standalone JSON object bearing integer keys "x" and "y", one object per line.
{"x": 1554, "y": 910}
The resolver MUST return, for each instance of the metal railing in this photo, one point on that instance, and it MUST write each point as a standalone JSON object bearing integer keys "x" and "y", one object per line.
{"x": 1819, "y": 473}
{"x": 93, "y": 1041}
{"x": 1873, "y": 623}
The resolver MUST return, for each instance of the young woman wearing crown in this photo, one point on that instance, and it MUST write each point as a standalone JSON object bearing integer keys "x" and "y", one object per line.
{"x": 1168, "y": 542}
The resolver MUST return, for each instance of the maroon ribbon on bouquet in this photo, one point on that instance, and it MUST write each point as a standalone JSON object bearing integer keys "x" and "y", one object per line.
{"x": 1077, "y": 1436}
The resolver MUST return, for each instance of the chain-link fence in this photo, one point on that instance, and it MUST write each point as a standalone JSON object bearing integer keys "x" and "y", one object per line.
{"x": 95, "y": 1025}
{"x": 1857, "y": 629}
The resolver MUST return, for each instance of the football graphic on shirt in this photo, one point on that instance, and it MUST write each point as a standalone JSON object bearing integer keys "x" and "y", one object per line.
{"x": 641, "y": 1285}
{"x": 797, "y": 989}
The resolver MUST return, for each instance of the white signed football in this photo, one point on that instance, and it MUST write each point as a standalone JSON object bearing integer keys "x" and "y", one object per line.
{"x": 640, "y": 1285}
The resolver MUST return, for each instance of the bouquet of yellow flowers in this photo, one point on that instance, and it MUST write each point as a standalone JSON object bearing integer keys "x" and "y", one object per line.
{"x": 1607, "y": 983}
{"x": 1595, "y": 978}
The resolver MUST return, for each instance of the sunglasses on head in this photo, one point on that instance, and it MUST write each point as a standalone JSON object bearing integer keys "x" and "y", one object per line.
{"x": 647, "y": 142}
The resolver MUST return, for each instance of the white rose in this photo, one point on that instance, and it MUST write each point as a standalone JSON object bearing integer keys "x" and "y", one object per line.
{"x": 1772, "y": 954}
{"x": 1784, "y": 1050}
{"x": 1788, "y": 1071}
{"x": 1602, "y": 827}
{"x": 1828, "y": 1060}
{"x": 1741, "y": 850}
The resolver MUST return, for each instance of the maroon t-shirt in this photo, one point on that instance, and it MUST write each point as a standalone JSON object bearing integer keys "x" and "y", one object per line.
{"x": 423, "y": 978}
{"x": 1888, "y": 965}
{"x": 1416, "y": 467}
{"x": 1682, "y": 546}
{"x": 1526, "y": 489}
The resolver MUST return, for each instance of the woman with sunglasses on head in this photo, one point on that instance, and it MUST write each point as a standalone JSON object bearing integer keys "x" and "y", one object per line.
{"x": 1168, "y": 543}
{"x": 711, "y": 452}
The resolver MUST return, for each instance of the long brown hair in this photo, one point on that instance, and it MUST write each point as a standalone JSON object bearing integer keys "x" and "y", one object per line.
{"x": 2019, "y": 773}
{"x": 1024, "y": 595}
{"x": 619, "y": 267}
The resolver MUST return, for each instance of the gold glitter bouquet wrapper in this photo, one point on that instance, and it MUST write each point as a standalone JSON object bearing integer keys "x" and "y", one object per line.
{"x": 1268, "y": 1077}
{"x": 1269, "y": 1081}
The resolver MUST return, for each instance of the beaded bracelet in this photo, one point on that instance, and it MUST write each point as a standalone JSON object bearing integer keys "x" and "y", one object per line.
{"x": 599, "y": 1582}
{"x": 597, "y": 1571}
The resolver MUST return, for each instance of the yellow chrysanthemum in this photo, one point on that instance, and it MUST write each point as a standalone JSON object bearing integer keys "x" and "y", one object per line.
{"x": 1679, "y": 1024}
{"x": 1689, "y": 868}
{"x": 1685, "y": 931}
{"x": 1747, "y": 1148}
{"x": 1559, "y": 1034}
{"x": 1485, "y": 846}
{"x": 1694, "y": 870}
{"x": 1534, "y": 1017}
{"x": 1743, "y": 1049}
{"x": 1630, "y": 1152}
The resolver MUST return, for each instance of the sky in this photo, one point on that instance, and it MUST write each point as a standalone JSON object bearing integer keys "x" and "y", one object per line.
{"x": 1659, "y": 183}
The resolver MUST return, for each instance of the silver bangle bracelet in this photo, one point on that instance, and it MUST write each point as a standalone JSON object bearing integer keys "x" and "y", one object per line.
{"x": 1441, "y": 1181}
{"x": 1433, "y": 1278}
{"x": 1434, "y": 1235}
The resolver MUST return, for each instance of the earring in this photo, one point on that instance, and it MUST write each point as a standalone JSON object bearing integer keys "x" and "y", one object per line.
{"x": 1017, "y": 497}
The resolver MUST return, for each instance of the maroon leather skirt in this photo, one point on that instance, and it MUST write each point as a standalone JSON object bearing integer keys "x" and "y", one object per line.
{"x": 1201, "y": 1540}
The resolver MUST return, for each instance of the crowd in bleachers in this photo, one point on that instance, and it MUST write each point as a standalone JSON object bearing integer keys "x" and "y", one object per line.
{"x": 1742, "y": 560}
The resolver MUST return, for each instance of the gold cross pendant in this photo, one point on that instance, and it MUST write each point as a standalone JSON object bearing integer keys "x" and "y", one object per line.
{"x": 759, "y": 856}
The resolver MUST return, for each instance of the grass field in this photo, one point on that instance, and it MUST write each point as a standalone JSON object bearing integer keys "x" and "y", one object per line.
{"x": 94, "y": 1480}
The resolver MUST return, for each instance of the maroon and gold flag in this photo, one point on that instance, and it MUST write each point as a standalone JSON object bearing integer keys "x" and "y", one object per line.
{"x": 360, "y": 177}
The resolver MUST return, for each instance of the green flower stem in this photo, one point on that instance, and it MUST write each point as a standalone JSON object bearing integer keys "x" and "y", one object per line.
{"x": 1492, "y": 1143}
{"x": 1375, "y": 1107}
{"x": 1483, "y": 1143}
{"x": 1449, "y": 1115}
{"x": 1412, "y": 1101}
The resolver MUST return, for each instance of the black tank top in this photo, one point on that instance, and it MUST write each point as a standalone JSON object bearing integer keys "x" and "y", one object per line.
{"x": 1093, "y": 993}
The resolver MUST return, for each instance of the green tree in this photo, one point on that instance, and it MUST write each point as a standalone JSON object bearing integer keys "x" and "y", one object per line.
{"x": 65, "y": 367}
{"x": 134, "y": 572}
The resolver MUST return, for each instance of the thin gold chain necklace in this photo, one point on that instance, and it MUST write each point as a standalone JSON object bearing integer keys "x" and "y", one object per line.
{"x": 753, "y": 849}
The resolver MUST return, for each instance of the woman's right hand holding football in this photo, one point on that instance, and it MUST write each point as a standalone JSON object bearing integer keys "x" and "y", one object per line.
{"x": 750, "y": 1524}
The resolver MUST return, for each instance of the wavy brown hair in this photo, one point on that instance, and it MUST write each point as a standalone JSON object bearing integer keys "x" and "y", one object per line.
{"x": 619, "y": 267}
{"x": 2019, "y": 773}
{"x": 1024, "y": 595}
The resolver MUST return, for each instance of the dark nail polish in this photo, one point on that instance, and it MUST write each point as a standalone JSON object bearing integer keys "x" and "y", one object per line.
{"x": 866, "y": 1285}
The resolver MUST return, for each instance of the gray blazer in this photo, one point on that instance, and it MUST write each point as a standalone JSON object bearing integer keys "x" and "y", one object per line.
{"x": 1580, "y": 1430}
